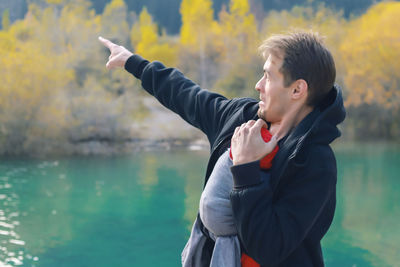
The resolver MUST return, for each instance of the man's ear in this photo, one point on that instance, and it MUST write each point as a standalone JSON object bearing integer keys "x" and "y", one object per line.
{"x": 299, "y": 89}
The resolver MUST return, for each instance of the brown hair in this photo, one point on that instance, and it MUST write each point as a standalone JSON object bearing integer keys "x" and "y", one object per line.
{"x": 304, "y": 57}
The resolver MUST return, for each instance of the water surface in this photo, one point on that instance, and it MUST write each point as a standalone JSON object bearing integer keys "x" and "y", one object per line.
{"x": 138, "y": 210}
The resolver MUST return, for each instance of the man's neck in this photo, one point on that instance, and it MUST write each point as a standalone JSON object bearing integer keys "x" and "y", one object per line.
{"x": 291, "y": 120}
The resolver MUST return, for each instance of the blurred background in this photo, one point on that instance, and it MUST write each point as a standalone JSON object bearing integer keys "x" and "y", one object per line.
{"x": 95, "y": 172}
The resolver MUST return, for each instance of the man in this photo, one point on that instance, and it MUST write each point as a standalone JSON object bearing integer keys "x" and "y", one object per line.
{"x": 282, "y": 217}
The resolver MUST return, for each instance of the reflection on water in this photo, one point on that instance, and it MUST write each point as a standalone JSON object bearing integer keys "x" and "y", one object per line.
{"x": 365, "y": 229}
{"x": 138, "y": 211}
{"x": 12, "y": 246}
{"x": 94, "y": 212}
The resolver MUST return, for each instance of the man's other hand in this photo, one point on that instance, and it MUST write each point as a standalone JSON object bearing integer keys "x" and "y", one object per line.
{"x": 247, "y": 143}
{"x": 119, "y": 54}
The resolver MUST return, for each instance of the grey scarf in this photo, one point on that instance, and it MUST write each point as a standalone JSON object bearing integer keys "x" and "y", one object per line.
{"x": 217, "y": 216}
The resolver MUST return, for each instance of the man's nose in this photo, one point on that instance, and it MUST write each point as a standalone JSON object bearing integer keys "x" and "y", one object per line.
{"x": 259, "y": 85}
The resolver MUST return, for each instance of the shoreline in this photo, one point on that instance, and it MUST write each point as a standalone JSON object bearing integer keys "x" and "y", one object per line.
{"x": 105, "y": 147}
{"x": 109, "y": 147}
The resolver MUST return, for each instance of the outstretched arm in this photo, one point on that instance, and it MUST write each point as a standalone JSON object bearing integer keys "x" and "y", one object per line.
{"x": 201, "y": 108}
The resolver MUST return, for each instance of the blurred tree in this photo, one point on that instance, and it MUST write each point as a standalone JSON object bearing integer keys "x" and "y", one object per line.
{"x": 16, "y": 9}
{"x": 237, "y": 54}
{"x": 197, "y": 39}
{"x": 114, "y": 21}
{"x": 57, "y": 2}
{"x": 318, "y": 18}
{"x": 60, "y": 91}
{"x": 238, "y": 29}
{"x": 371, "y": 52}
{"x": 166, "y": 13}
{"x": 5, "y": 20}
{"x": 100, "y": 105}
{"x": 145, "y": 40}
{"x": 30, "y": 84}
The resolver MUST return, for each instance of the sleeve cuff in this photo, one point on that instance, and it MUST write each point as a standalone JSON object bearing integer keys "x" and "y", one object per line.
{"x": 135, "y": 65}
{"x": 247, "y": 174}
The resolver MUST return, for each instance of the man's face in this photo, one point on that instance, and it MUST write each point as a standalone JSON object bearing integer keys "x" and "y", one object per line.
{"x": 274, "y": 97}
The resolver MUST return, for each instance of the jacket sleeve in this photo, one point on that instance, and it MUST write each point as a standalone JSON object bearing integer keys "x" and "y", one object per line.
{"x": 201, "y": 108}
{"x": 271, "y": 229}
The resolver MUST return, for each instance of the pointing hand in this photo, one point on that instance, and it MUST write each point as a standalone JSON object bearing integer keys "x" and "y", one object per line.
{"x": 119, "y": 54}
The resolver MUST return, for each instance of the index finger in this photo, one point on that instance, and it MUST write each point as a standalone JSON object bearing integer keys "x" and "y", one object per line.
{"x": 251, "y": 123}
{"x": 107, "y": 43}
{"x": 259, "y": 123}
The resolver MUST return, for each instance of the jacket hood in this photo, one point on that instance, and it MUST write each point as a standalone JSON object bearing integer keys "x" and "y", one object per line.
{"x": 332, "y": 113}
{"x": 320, "y": 125}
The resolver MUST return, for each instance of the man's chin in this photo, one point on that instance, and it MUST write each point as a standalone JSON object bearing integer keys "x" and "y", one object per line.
{"x": 261, "y": 115}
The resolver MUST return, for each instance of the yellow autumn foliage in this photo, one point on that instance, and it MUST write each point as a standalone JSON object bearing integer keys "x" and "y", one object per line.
{"x": 55, "y": 88}
{"x": 30, "y": 81}
{"x": 238, "y": 29}
{"x": 114, "y": 21}
{"x": 197, "y": 23}
{"x": 5, "y": 20}
{"x": 238, "y": 60}
{"x": 54, "y": 81}
{"x": 146, "y": 41}
{"x": 371, "y": 56}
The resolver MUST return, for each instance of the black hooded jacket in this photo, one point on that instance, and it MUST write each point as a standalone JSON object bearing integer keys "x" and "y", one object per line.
{"x": 282, "y": 217}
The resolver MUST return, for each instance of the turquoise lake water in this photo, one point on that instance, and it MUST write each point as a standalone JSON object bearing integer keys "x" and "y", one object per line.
{"x": 138, "y": 210}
